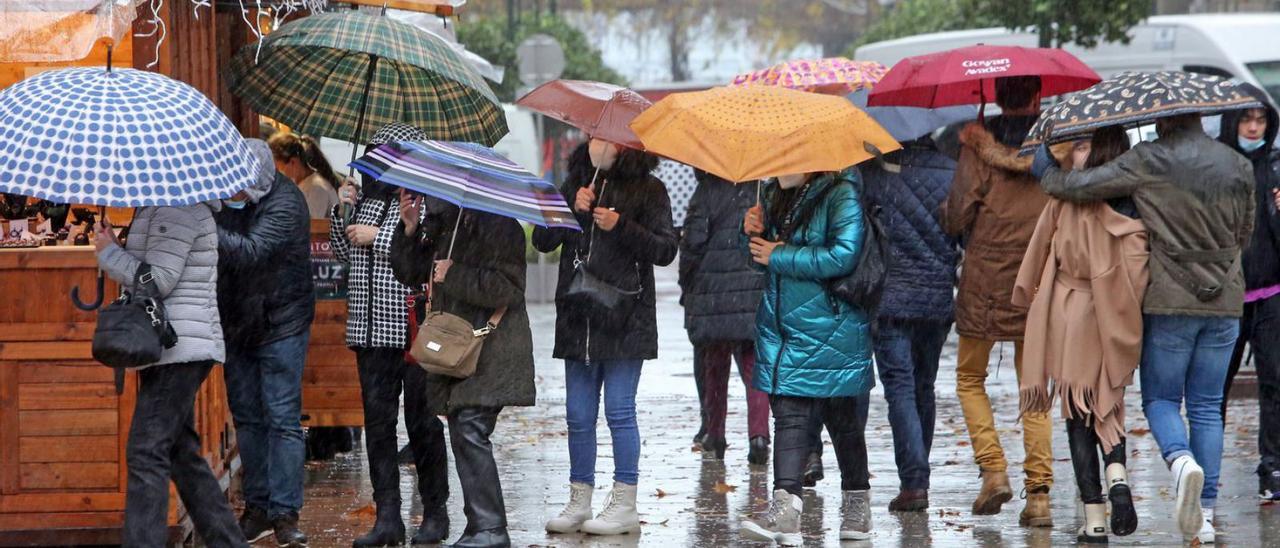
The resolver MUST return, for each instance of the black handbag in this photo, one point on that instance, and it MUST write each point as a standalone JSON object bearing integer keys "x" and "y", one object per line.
{"x": 133, "y": 331}
{"x": 587, "y": 287}
{"x": 864, "y": 286}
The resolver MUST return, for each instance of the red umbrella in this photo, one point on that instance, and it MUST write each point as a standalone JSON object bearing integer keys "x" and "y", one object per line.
{"x": 967, "y": 76}
{"x": 603, "y": 111}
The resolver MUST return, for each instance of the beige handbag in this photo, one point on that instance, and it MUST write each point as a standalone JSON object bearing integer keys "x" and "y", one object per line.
{"x": 449, "y": 345}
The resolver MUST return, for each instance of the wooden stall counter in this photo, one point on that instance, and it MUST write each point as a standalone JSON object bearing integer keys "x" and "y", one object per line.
{"x": 63, "y": 428}
{"x": 330, "y": 383}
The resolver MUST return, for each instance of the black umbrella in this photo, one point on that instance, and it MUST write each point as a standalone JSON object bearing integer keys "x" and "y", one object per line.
{"x": 1135, "y": 99}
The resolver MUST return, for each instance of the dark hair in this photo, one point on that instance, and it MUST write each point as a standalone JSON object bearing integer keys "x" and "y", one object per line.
{"x": 1107, "y": 144}
{"x": 287, "y": 146}
{"x": 579, "y": 170}
{"x": 632, "y": 165}
{"x": 1015, "y": 92}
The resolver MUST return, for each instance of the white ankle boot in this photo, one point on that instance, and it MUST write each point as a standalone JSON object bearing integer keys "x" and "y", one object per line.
{"x": 575, "y": 513}
{"x": 1188, "y": 482}
{"x": 1094, "y": 530}
{"x": 1207, "y": 533}
{"x": 619, "y": 515}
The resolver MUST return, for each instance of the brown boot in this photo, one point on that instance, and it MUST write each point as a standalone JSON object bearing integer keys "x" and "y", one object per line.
{"x": 1036, "y": 512}
{"x": 995, "y": 492}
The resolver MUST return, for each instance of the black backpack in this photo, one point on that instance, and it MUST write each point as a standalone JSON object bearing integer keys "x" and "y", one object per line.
{"x": 863, "y": 287}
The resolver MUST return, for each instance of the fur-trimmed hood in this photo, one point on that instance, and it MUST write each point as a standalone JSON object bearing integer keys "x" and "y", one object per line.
{"x": 997, "y": 155}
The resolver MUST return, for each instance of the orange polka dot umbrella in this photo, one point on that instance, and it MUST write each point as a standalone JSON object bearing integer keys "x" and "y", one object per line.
{"x": 833, "y": 75}
{"x": 755, "y": 132}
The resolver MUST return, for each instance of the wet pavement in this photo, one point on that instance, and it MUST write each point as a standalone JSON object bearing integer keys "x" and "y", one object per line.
{"x": 688, "y": 501}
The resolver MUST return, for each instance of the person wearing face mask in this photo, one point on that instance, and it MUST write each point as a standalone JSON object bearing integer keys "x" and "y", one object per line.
{"x": 266, "y": 304}
{"x": 1252, "y": 133}
{"x": 1196, "y": 197}
{"x": 813, "y": 351}
{"x": 1082, "y": 279}
{"x": 377, "y": 331}
{"x": 625, "y": 215}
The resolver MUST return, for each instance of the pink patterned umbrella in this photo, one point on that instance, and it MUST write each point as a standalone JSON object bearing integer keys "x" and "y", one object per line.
{"x": 833, "y": 75}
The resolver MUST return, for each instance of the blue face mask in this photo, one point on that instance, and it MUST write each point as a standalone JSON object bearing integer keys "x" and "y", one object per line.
{"x": 234, "y": 204}
{"x": 1250, "y": 145}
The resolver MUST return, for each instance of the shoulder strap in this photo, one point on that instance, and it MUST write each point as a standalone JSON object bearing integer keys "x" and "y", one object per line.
{"x": 144, "y": 282}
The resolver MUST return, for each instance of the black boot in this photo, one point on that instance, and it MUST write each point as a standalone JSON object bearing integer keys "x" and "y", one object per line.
{"x": 287, "y": 533}
{"x": 813, "y": 470}
{"x": 469, "y": 431}
{"x": 493, "y": 538}
{"x": 387, "y": 531}
{"x": 759, "y": 452}
{"x": 254, "y": 524}
{"x": 434, "y": 528}
{"x": 713, "y": 448}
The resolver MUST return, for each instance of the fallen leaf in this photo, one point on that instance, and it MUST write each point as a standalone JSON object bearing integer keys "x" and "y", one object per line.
{"x": 951, "y": 463}
{"x": 962, "y": 443}
{"x": 1139, "y": 431}
{"x": 661, "y": 493}
{"x": 362, "y": 514}
{"x": 942, "y": 513}
{"x": 662, "y": 523}
{"x": 724, "y": 488}
{"x": 1195, "y": 541}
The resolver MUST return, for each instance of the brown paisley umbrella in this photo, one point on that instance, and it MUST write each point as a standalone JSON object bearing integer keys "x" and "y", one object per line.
{"x": 1134, "y": 99}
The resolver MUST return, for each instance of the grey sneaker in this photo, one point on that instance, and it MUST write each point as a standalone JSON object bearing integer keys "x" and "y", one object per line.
{"x": 781, "y": 524}
{"x": 856, "y": 509}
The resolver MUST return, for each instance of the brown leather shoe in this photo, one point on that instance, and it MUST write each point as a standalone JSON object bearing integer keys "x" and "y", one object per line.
{"x": 995, "y": 492}
{"x": 1036, "y": 512}
{"x": 910, "y": 500}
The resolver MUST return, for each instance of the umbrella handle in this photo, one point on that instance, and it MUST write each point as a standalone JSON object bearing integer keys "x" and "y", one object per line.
{"x": 97, "y": 302}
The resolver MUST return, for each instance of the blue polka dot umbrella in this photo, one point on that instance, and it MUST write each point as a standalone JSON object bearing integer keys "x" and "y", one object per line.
{"x": 120, "y": 138}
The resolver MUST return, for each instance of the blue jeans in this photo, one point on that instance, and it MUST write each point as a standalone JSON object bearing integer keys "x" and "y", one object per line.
{"x": 1186, "y": 358}
{"x": 583, "y": 382}
{"x": 264, "y": 389}
{"x": 907, "y": 354}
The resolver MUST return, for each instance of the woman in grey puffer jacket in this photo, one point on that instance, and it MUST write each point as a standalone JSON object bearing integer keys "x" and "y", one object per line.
{"x": 181, "y": 246}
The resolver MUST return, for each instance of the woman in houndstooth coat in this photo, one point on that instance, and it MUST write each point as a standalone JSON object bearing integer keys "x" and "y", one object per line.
{"x": 377, "y": 330}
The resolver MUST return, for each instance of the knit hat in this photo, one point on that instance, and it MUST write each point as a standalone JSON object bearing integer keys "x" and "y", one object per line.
{"x": 397, "y": 132}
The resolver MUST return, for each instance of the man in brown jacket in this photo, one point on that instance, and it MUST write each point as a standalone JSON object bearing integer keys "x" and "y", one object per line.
{"x": 993, "y": 207}
{"x": 1195, "y": 196}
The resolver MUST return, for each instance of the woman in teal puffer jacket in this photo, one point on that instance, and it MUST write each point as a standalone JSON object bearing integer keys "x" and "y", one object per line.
{"x": 813, "y": 352}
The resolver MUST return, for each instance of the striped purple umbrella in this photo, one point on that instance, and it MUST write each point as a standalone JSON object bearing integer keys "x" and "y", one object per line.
{"x": 470, "y": 176}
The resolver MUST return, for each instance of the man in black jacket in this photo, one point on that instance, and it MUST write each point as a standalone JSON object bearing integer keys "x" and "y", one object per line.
{"x": 1253, "y": 133}
{"x": 266, "y": 299}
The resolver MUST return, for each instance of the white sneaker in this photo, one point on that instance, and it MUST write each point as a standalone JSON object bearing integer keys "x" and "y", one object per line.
{"x": 856, "y": 509}
{"x": 1207, "y": 532}
{"x": 575, "y": 513}
{"x": 781, "y": 524}
{"x": 1188, "y": 482}
{"x": 619, "y": 515}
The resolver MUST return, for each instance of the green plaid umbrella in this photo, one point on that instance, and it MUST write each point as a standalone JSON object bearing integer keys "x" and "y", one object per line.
{"x": 344, "y": 75}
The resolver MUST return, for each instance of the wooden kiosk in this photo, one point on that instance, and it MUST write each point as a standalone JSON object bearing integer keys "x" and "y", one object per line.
{"x": 63, "y": 428}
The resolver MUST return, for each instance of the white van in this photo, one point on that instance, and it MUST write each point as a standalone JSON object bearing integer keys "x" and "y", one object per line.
{"x": 1245, "y": 46}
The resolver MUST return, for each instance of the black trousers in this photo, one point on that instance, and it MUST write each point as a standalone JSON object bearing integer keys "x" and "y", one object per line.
{"x": 383, "y": 374}
{"x": 1085, "y": 448}
{"x": 1260, "y": 328}
{"x": 469, "y": 432}
{"x": 163, "y": 445}
{"x": 793, "y": 426}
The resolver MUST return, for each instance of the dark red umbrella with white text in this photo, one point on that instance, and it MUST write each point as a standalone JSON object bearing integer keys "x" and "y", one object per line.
{"x": 967, "y": 76}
